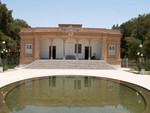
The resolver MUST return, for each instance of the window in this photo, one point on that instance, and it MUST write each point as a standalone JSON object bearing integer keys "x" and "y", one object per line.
{"x": 28, "y": 49}
{"x": 79, "y": 48}
{"x": 111, "y": 50}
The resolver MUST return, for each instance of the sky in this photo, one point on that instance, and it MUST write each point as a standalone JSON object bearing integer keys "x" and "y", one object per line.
{"x": 89, "y": 13}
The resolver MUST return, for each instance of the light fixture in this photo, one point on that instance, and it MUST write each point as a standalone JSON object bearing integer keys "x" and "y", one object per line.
{"x": 138, "y": 53}
{"x": 140, "y": 45}
{"x": 3, "y": 42}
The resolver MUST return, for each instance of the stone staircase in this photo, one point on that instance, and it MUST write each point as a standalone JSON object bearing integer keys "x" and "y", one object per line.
{"x": 69, "y": 64}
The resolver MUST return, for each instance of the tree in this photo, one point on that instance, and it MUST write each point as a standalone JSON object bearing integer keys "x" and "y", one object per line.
{"x": 5, "y": 18}
{"x": 133, "y": 47}
{"x": 135, "y": 27}
{"x": 9, "y": 32}
{"x": 14, "y": 28}
{"x": 146, "y": 46}
{"x": 115, "y": 26}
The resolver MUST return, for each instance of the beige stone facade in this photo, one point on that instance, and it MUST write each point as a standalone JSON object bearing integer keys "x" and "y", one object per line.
{"x": 70, "y": 40}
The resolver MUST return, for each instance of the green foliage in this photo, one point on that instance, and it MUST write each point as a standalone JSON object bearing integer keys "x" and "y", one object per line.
{"x": 9, "y": 31}
{"x": 134, "y": 68}
{"x": 15, "y": 27}
{"x": 6, "y": 67}
{"x": 115, "y": 26}
{"x": 137, "y": 28}
{"x": 146, "y": 46}
{"x": 147, "y": 67}
{"x": 133, "y": 47}
{"x": 5, "y": 18}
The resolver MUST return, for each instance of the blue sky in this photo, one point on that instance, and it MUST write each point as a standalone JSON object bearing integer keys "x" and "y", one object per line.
{"x": 89, "y": 13}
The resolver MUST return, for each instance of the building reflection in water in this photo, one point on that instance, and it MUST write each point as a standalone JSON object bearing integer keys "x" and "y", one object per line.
{"x": 73, "y": 91}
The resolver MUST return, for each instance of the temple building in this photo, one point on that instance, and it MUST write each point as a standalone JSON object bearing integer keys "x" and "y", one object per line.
{"x": 70, "y": 41}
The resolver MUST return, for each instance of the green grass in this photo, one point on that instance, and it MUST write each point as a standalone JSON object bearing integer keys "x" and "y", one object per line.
{"x": 134, "y": 68}
{"x": 147, "y": 72}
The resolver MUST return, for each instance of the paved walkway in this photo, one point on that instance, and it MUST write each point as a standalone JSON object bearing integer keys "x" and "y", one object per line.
{"x": 21, "y": 74}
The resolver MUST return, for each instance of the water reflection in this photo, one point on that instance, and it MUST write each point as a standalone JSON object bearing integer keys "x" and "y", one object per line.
{"x": 72, "y": 94}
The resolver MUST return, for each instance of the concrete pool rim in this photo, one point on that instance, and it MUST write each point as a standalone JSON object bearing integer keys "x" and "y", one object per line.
{"x": 86, "y": 76}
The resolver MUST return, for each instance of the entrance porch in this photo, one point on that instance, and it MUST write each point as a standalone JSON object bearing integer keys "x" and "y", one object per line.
{"x": 70, "y": 49}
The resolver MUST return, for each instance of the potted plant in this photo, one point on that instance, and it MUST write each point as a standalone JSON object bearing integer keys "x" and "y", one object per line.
{"x": 1, "y": 67}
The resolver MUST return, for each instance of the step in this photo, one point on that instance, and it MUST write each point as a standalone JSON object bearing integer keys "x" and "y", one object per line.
{"x": 69, "y": 64}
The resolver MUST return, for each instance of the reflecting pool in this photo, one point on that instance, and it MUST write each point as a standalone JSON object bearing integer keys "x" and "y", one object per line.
{"x": 73, "y": 94}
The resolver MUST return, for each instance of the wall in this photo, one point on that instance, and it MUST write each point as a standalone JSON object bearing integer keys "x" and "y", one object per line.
{"x": 59, "y": 48}
{"x": 96, "y": 48}
{"x": 70, "y": 47}
{"x": 44, "y": 48}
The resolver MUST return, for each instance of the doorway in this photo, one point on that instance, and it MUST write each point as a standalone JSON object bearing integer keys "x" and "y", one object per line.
{"x": 53, "y": 52}
{"x": 87, "y": 52}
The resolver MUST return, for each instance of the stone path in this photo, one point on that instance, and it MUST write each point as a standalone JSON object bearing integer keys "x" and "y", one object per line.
{"x": 21, "y": 74}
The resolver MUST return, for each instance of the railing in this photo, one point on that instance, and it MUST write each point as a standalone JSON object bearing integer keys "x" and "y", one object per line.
{"x": 128, "y": 63}
{"x": 10, "y": 61}
{"x": 133, "y": 63}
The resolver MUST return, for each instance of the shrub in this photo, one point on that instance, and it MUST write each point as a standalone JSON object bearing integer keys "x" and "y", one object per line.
{"x": 147, "y": 66}
{"x": 11, "y": 66}
{"x": 6, "y": 67}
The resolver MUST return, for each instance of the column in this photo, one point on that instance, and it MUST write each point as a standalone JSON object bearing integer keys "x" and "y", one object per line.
{"x": 118, "y": 52}
{"x": 118, "y": 49}
{"x": 64, "y": 47}
{"x": 51, "y": 49}
{"x": 22, "y": 50}
{"x": 77, "y": 49}
{"x": 89, "y": 49}
{"x": 104, "y": 48}
{"x": 36, "y": 48}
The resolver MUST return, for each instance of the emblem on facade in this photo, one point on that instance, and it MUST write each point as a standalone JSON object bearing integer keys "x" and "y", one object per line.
{"x": 70, "y": 28}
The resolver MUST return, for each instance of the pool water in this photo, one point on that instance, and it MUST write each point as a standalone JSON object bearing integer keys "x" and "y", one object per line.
{"x": 74, "y": 94}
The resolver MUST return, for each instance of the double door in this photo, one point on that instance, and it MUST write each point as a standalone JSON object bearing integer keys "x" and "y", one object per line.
{"x": 87, "y": 52}
{"x": 53, "y": 52}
